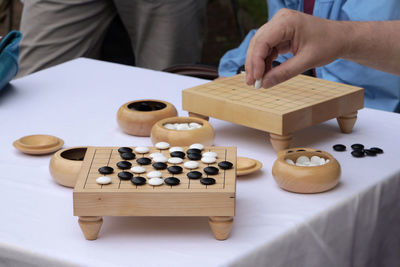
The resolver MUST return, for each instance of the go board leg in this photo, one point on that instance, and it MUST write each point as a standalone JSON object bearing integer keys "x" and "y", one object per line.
{"x": 90, "y": 226}
{"x": 191, "y": 114}
{"x": 221, "y": 226}
{"x": 280, "y": 142}
{"x": 346, "y": 122}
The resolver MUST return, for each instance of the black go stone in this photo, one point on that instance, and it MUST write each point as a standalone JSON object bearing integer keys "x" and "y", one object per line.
{"x": 125, "y": 175}
{"x": 143, "y": 161}
{"x": 159, "y": 106}
{"x": 207, "y": 181}
{"x": 178, "y": 154}
{"x": 159, "y": 165}
{"x": 106, "y": 170}
{"x": 339, "y": 147}
{"x": 143, "y": 106}
{"x": 172, "y": 181}
{"x": 138, "y": 180}
{"x": 370, "y": 152}
{"x": 124, "y": 150}
{"x": 124, "y": 165}
{"x": 225, "y": 165}
{"x": 211, "y": 170}
{"x": 377, "y": 150}
{"x": 128, "y": 155}
{"x": 357, "y": 147}
{"x": 358, "y": 153}
{"x": 194, "y": 156}
{"x": 175, "y": 169}
{"x": 194, "y": 175}
{"x": 193, "y": 150}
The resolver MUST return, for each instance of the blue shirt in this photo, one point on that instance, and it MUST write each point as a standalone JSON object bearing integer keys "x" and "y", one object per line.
{"x": 382, "y": 90}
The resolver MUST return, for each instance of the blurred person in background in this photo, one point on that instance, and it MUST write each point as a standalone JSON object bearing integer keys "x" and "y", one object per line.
{"x": 162, "y": 32}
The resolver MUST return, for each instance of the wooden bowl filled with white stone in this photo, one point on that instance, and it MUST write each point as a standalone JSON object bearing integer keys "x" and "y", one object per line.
{"x": 66, "y": 164}
{"x": 137, "y": 117}
{"x": 306, "y": 170}
{"x": 183, "y": 131}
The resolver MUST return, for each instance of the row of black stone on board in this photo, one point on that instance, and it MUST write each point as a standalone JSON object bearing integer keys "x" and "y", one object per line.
{"x": 359, "y": 151}
{"x": 127, "y": 154}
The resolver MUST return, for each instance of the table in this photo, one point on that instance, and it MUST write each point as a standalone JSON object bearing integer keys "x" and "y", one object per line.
{"x": 356, "y": 224}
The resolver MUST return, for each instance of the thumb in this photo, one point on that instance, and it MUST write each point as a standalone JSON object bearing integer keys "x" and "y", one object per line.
{"x": 285, "y": 71}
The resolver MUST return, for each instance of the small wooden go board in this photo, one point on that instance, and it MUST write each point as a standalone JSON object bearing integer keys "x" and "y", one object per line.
{"x": 123, "y": 198}
{"x": 283, "y": 109}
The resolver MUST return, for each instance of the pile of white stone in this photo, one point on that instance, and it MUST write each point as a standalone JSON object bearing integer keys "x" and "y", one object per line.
{"x": 182, "y": 126}
{"x": 305, "y": 161}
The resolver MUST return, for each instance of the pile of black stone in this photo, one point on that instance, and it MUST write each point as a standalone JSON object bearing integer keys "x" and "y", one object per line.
{"x": 359, "y": 151}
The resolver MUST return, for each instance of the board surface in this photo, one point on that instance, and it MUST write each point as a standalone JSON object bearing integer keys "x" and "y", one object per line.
{"x": 122, "y": 198}
{"x": 295, "y": 104}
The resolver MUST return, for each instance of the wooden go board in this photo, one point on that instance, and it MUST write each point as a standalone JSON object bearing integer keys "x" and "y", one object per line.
{"x": 283, "y": 109}
{"x": 123, "y": 198}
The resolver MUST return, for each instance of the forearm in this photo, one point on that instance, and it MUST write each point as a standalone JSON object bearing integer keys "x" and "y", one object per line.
{"x": 316, "y": 42}
{"x": 373, "y": 44}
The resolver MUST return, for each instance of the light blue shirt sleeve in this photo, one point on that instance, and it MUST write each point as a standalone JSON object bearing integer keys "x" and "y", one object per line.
{"x": 235, "y": 58}
{"x": 381, "y": 89}
{"x": 232, "y": 60}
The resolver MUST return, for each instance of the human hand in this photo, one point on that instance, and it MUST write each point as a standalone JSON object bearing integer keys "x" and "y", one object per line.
{"x": 313, "y": 42}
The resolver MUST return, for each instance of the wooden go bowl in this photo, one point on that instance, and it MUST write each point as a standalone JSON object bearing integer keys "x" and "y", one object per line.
{"x": 133, "y": 121}
{"x": 299, "y": 179}
{"x": 66, "y": 164}
{"x": 204, "y": 135}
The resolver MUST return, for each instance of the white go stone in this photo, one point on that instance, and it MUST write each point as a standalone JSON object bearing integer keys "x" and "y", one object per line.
{"x": 175, "y": 160}
{"x": 290, "y": 161}
{"x": 175, "y": 148}
{"x": 142, "y": 149}
{"x": 197, "y": 146}
{"x": 208, "y": 160}
{"x": 155, "y": 181}
{"x": 315, "y": 160}
{"x": 154, "y": 174}
{"x": 194, "y": 125}
{"x": 103, "y": 180}
{"x": 161, "y": 158}
{"x": 303, "y": 160}
{"x": 170, "y": 126}
{"x": 191, "y": 164}
{"x": 257, "y": 84}
{"x": 162, "y": 145}
{"x": 156, "y": 154}
{"x": 210, "y": 154}
{"x": 183, "y": 126}
{"x": 138, "y": 169}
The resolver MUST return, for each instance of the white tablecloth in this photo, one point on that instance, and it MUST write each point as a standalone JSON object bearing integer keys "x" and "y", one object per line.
{"x": 356, "y": 224}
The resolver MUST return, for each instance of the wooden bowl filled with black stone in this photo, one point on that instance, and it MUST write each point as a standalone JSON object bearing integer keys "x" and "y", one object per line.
{"x": 183, "y": 131}
{"x": 66, "y": 164}
{"x": 137, "y": 117}
{"x": 306, "y": 170}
